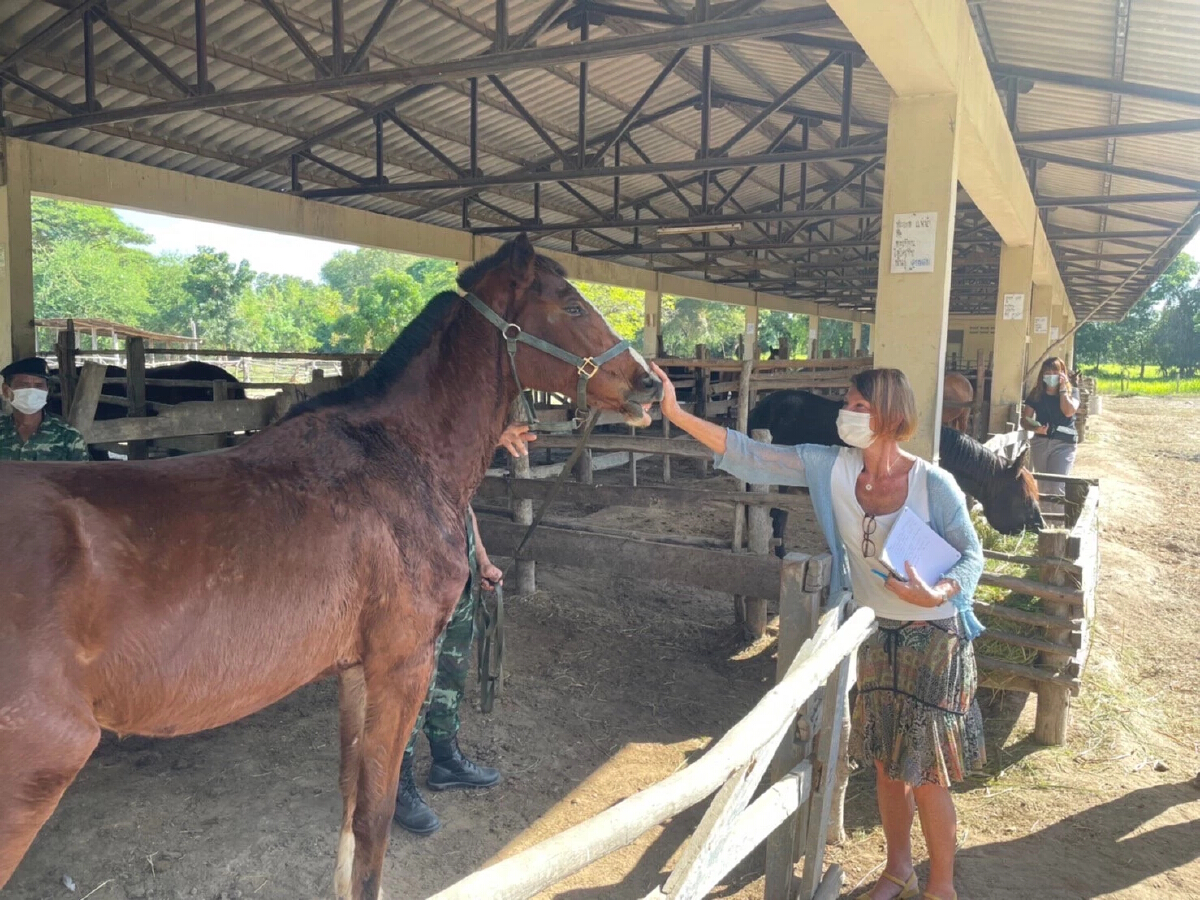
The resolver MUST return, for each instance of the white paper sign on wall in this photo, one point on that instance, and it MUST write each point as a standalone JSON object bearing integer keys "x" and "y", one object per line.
{"x": 913, "y": 242}
{"x": 1054, "y": 332}
{"x": 1041, "y": 324}
{"x": 1014, "y": 307}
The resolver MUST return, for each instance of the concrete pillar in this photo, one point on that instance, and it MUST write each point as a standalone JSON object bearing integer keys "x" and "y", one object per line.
{"x": 814, "y": 336}
{"x": 1012, "y": 325}
{"x": 17, "y": 335}
{"x": 855, "y": 338}
{"x": 913, "y": 303}
{"x": 652, "y": 303}
{"x": 1041, "y": 316}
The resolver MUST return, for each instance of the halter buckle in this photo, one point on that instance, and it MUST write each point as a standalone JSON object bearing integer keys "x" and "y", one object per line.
{"x": 588, "y": 368}
{"x": 511, "y": 332}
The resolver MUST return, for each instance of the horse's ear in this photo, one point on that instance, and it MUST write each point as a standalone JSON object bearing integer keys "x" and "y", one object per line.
{"x": 1021, "y": 462}
{"x": 521, "y": 260}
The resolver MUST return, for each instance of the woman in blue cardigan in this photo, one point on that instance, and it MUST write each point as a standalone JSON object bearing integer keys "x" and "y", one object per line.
{"x": 915, "y": 719}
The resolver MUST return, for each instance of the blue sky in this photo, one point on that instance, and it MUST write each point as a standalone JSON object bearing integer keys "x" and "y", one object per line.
{"x": 279, "y": 254}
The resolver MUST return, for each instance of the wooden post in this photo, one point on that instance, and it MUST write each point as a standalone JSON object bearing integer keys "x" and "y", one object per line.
{"x": 743, "y": 421}
{"x": 785, "y": 347}
{"x": 799, "y": 610}
{"x": 220, "y": 391}
{"x": 135, "y": 369}
{"x": 632, "y": 460}
{"x": 65, "y": 350}
{"x": 700, "y": 401}
{"x": 1054, "y": 700}
{"x": 583, "y": 467}
{"x": 666, "y": 460}
{"x": 829, "y": 749}
{"x": 759, "y": 534}
{"x": 1076, "y": 496}
{"x": 522, "y": 514}
{"x": 978, "y": 422}
{"x": 87, "y": 396}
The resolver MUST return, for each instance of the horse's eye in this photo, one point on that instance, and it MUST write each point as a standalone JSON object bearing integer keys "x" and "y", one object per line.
{"x": 574, "y": 310}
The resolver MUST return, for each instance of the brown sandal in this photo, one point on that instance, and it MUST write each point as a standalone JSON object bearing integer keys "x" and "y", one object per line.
{"x": 908, "y": 888}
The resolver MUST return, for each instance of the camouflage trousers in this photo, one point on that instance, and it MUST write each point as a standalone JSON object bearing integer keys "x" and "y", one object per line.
{"x": 439, "y": 713}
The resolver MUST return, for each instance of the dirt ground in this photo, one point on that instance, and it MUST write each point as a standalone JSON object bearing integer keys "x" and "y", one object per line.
{"x": 615, "y": 683}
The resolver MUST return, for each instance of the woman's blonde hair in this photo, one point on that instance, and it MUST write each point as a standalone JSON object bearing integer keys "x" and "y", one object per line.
{"x": 893, "y": 406}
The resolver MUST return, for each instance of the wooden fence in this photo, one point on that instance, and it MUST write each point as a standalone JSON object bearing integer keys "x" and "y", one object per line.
{"x": 1067, "y": 568}
{"x": 793, "y": 733}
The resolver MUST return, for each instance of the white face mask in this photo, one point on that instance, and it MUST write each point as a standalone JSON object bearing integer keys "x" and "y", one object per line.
{"x": 855, "y": 428}
{"x": 1051, "y": 380}
{"x": 28, "y": 400}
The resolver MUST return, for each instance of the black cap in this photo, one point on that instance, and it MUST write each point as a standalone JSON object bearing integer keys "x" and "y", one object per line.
{"x": 31, "y": 365}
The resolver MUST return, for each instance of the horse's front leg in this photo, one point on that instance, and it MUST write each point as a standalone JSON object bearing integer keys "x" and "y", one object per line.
{"x": 394, "y": 692}
{"x": 352, "y": 715}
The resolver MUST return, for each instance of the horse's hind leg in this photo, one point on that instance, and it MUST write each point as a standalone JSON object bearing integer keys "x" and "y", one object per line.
{"x": 42, "y": 748}
{"x": 393, "y": 698}
{"x": 352, "y": 713}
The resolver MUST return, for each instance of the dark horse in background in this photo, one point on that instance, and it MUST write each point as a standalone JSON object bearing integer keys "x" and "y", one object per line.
{"x": 1008, "y": 493}
{"x": 166, "y": 597}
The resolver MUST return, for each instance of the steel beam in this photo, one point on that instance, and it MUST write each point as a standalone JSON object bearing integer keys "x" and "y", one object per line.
{"x": 1110, "y": 199}
{"x": 617, "y": 133}
{"x": 301, "y": 42}
{"x": 1190, "y": 184}
{"x": 201, "y": 21}
{"x": 451, "y": 70}
{"x": 47, "y": 33}
{"x": 659, "y": 168}
{"x": 1130, "y": 129}
{"x": 142, "y": 50}
{"x": 364, "y": 47}
{"x": 1096, "y": 83}
{"x": 529, "y": 118}
{"x": 777, "y": 104}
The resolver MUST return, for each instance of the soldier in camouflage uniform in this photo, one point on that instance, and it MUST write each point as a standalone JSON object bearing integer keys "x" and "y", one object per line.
{"x": 439, "y": 719}
{"x": 30, "y": 433}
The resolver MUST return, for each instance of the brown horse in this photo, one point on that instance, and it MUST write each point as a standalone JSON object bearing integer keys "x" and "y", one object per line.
{"x": 163, "y": 598}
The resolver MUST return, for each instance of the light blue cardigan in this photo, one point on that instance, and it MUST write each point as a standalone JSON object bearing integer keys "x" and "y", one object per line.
{"x": 811, "y": 466}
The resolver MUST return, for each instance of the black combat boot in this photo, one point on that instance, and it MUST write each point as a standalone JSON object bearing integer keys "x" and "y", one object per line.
{"x": 453, "y": 771}
{"x": 412, "y": 812}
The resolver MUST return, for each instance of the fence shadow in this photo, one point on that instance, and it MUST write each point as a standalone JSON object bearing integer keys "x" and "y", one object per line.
{"x": 1095, "y": 852}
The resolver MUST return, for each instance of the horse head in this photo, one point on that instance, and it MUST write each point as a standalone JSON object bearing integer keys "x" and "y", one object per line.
{"x": 1013, "y": 504}
{"x": 545, "y": 312}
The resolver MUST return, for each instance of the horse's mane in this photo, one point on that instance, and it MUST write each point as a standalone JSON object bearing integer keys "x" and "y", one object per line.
{"x": 410, "y": 343}
{"x": 962, "y": 453}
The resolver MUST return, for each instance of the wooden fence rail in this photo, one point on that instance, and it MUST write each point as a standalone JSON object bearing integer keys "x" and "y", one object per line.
{"x": 732, "y": 827}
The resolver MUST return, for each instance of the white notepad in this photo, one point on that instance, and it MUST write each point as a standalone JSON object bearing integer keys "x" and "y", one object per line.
{"x": 911, "y": 540}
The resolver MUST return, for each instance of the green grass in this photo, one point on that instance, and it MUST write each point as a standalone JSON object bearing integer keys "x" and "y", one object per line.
{"x": 1124, "y": 381}
{"x": 1021, "y": 545}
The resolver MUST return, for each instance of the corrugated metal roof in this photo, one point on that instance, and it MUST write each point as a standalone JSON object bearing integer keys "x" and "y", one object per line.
{"x": 1148, "y": 42}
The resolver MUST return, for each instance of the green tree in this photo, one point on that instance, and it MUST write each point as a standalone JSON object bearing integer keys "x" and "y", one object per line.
{"x": 774, "y": 325}
{"x": 58, "y": 221}
{"x": 379, "y": 312}
{"x": 687, "y": 322}
{"x": 349, "y": 270}
{"x": 75, "y": 279}
{"x": 216, "y": 284}
{"x": 624, "y": 308}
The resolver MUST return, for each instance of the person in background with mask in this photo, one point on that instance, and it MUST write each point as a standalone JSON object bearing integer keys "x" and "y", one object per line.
{"x": 915, "y": 720}
{"x": 1050, "y": 414}
{"x": 30, "y": 433}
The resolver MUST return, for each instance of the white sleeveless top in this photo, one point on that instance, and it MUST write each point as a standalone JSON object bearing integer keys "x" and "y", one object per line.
{"x": 868, "y": 587}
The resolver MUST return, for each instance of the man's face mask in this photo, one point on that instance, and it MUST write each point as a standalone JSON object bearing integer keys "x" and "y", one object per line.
{"x": 28, "y": 400}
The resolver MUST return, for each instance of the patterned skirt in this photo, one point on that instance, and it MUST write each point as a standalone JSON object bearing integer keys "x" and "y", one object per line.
{"x": 915, "y": 711}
